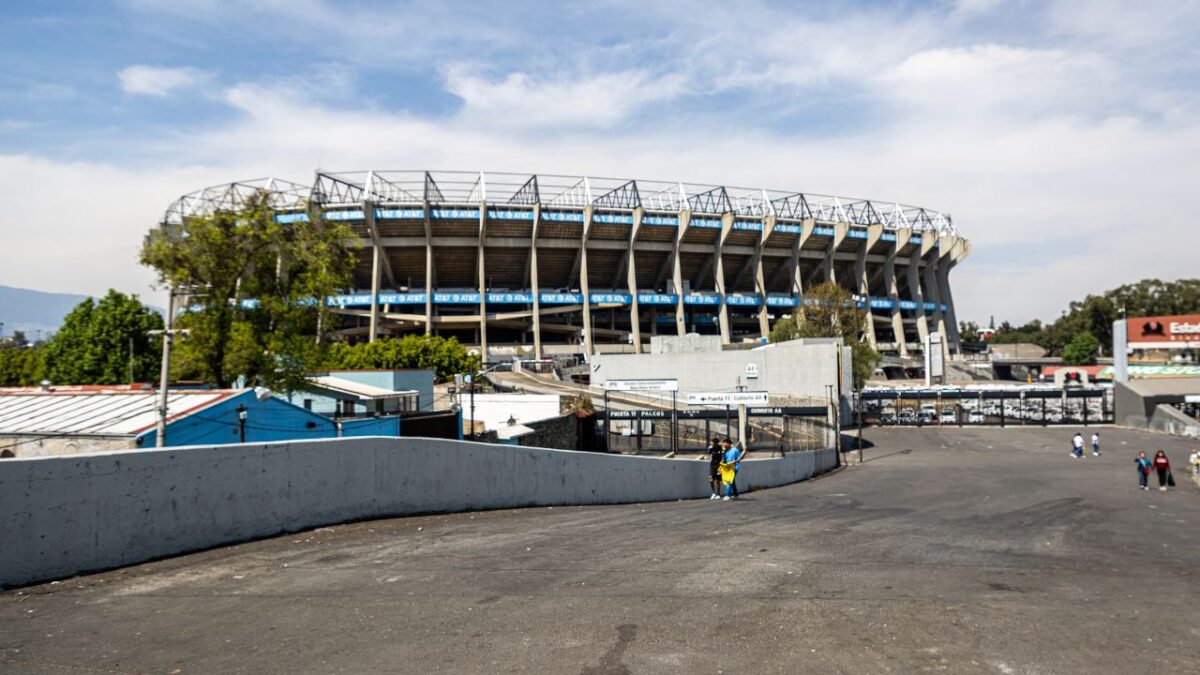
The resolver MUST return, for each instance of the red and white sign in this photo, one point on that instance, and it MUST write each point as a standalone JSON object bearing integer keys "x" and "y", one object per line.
{"x": 1165, "y": 332}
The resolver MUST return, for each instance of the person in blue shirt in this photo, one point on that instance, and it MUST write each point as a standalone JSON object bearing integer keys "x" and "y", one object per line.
{"x": 733, "y": 460}
{"x": 1143, "y": 469}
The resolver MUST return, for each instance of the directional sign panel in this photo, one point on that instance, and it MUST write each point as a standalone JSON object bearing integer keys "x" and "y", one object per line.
{"x": 642, "y": 385}
{"x": 728, "y": 398}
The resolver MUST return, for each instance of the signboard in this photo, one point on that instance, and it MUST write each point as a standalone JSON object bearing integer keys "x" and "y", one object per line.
{"x": 751, "y": 371}
{"x": 729, "y": 398}
{"x": 1192, "y": 398}
{"x": 791, "y": 411}
{"x": 935, "y": 368}
{"x": 1165, "y": 332}
{"x": 642, "y": 385}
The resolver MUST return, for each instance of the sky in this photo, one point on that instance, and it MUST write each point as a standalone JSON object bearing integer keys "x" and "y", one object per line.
{"x": 1063, "y": 136}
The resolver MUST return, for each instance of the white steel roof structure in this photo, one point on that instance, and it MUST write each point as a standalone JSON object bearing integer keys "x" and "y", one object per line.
{"x": 80, "y": 411}
{"x": 365, "y": 392}
{"x": 414, "y": 187}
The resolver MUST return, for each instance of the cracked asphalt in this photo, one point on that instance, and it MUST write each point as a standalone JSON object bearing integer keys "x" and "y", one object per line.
{"x": 948, "y": 550}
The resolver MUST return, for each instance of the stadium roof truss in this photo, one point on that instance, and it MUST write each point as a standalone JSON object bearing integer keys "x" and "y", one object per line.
{"x": 351, "y": 188}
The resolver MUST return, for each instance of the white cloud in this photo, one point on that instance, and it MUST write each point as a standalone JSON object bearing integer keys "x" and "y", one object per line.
{"x": 520, "y": 100}
{"x": 156, "y": 81}
{"x": 1067, "y": 163}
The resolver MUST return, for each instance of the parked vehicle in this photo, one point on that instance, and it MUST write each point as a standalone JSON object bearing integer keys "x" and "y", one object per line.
{"x": 976, "y": 417}
{"x": 949, "y": 417}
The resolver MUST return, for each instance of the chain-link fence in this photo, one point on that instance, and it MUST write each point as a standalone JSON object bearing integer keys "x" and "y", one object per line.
{"x": 1007, "y": 407}
{"x": 768, "y": 429}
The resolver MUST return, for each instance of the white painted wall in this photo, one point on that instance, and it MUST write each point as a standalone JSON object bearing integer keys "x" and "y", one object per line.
{"x": 66, "y": 515}
{"x": 797, "y": 368}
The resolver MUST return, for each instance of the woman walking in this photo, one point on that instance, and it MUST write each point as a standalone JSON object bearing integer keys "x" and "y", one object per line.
{"x": 1163, "y": 466}
{"x": 1143, "y": 464}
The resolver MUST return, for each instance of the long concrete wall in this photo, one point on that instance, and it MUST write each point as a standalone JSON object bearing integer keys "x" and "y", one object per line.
{"x": 61, "y": 516}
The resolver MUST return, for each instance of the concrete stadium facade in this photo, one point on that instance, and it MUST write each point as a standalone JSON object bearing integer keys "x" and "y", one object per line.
{"x": 572, "y": 264}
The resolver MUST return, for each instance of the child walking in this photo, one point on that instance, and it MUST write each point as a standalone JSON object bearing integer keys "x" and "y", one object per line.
{"x": 1143, "y": 470}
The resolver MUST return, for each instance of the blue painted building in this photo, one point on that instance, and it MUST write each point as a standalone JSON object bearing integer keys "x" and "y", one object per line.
{"x": 77, "y": 419}
{"x": 353, "y": 393}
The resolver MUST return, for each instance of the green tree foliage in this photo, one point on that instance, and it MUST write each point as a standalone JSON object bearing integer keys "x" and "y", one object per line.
{"x": 93, "y": 345}
{"x": 21, "y": 366}
{"x": 968, "y": 331}
{"x": 1095, "y": 314}
{"x": 445, "y": 355}
{"x": 283, "y": 270}
{"x": 1082, "y": 350}
{"x": 830, "y": 311}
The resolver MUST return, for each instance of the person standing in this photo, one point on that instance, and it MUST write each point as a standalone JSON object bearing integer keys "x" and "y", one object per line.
{"x": 1143, "y": 464}
{"x": 715, "y": 454}
{"x": 1077, "y": 446}
{"x": 1096, "y": 444}
{"x": 734, "y": 455}
{"x": 1163, "y": 466}
{"x": 728, "y": 469}
{"x": 1194, "y": 462}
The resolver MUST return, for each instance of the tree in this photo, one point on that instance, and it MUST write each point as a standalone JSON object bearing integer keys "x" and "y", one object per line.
{"x": 829, "y": 311}
{"x": 968, "y": 331}
{"x": 18, "y": 339}
{"x": 445, "y": 355}
{"x": 21, "y": 367}
{"x": 256, "y": 290}
{"x": 1082, "y": 350}
{"x": 93, "y": 345}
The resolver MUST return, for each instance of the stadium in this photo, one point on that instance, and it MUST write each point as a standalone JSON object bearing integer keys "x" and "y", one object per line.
{"x": 571, "y": 264}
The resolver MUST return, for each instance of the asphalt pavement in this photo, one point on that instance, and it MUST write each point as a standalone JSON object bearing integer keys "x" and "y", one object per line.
{"x": 948, "y": 550}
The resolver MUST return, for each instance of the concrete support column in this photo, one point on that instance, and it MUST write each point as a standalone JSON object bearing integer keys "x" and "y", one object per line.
{"x": 806, "y": 231}
{"x": 635, "y": 319}
{"x": 428, "y": 271}
{"x": 677, "y": 274}
{"x": 914, "y": 286}
{"x": 839, "y": 234}
{"x": 482, "y": 265}
{"x": 533, "y": 283}
{"x": 893, "y": 289}
{"x": 583, "y": 284}
{"x": 957, "y": 253}
{"x": 862, "y": 281}
{"x": 929, "y": 290}
{"x": 760, "y": 281}
{"x": 379, "y": 265}
{"x": 723, "y": 317}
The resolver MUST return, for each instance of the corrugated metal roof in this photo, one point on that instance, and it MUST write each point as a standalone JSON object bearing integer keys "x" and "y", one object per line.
{"x": 95, "y": 413}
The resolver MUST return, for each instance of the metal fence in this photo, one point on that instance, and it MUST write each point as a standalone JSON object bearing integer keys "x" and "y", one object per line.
{"x": 768, "y": 429}
{"x": 1006, "y": 407}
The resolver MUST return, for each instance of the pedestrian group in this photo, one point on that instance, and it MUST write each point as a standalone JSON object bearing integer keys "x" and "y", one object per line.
{"x": 724, "y": 461}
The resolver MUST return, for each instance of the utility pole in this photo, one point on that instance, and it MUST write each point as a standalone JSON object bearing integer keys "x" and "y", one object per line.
{"x": 471, "y": 381}
{"x": 741, "y": 409}
{"x": 860, "y": 427}
{"x": 241, "y": 411}
{"x": 167, "y": 334}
